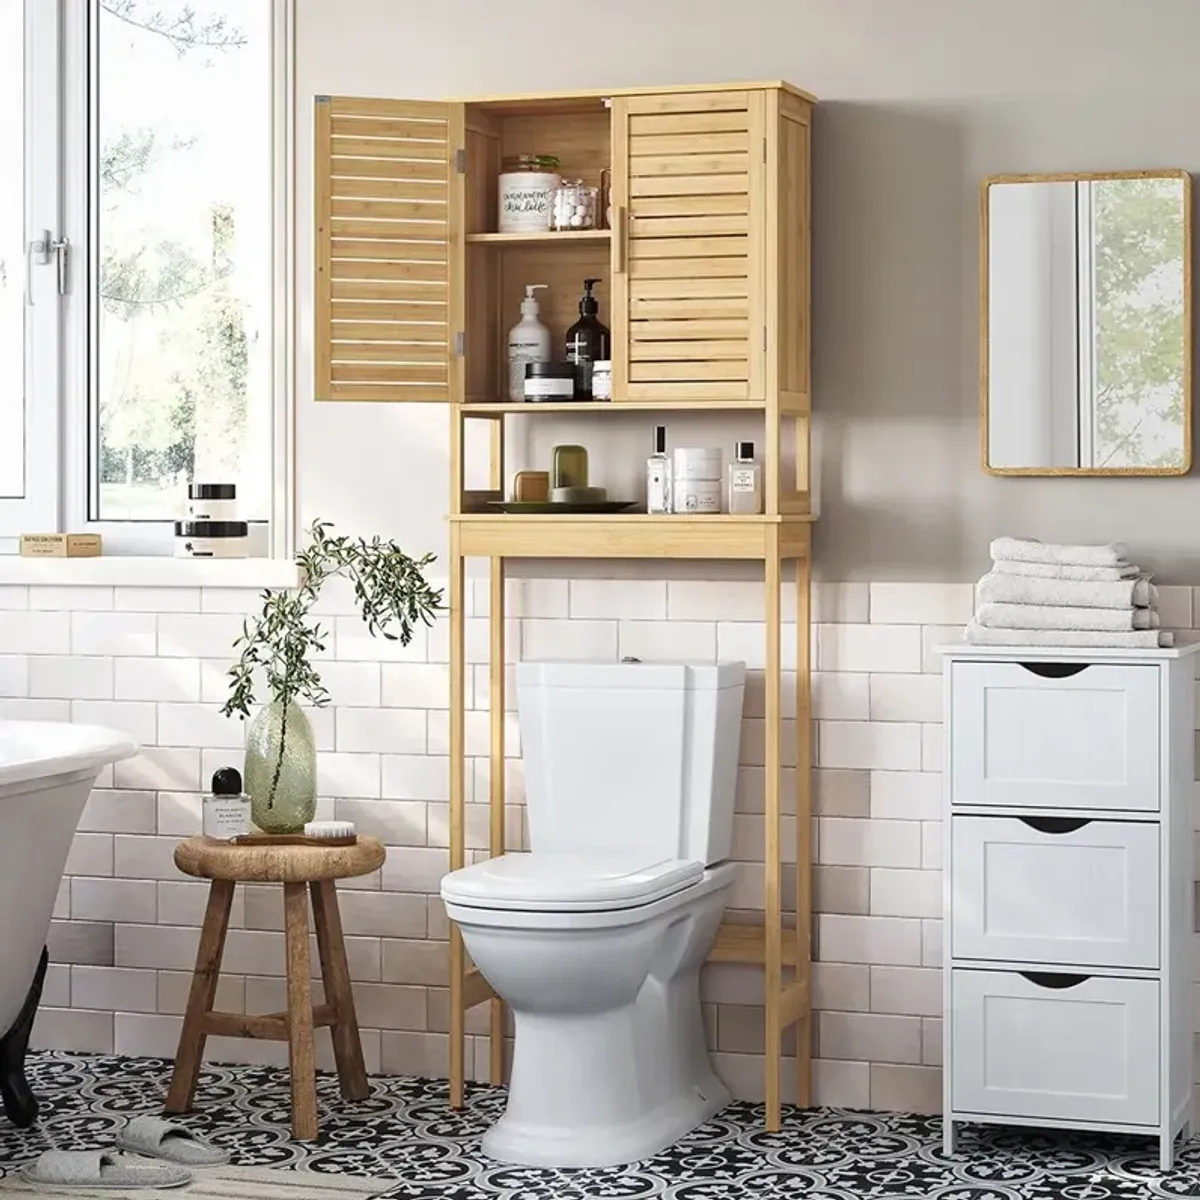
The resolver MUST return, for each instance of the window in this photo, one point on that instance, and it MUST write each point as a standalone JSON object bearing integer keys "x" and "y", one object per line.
{"x": 12, "y": 223}
{"x": 169, "y": 238}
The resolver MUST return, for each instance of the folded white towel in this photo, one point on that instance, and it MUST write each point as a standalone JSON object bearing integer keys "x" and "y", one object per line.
{"x": 1012, "y": 566}
{"x": 1030, "y": 550}
{"x": 1137, "y": 639}
{"x": 1049, "y": 616}
{"x": 1078, "y": 593}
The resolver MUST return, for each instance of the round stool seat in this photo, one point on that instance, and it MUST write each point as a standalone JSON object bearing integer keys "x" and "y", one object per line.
{"x": 208, "y": 858}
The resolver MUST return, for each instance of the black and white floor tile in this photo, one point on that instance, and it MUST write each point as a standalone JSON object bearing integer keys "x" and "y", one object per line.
{"x": 406, "y": 1132}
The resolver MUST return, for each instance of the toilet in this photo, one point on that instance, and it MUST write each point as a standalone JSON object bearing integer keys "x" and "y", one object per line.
{"x": 596, "y": 937}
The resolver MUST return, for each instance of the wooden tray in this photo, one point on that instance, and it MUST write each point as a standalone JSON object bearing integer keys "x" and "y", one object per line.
{"x": 560, "y": 506}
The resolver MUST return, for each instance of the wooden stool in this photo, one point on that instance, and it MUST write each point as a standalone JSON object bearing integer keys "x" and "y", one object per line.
{"x": 298, "y": 868}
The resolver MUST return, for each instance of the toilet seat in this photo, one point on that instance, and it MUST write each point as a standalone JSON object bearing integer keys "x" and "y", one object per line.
{"x": 567, "y": 882}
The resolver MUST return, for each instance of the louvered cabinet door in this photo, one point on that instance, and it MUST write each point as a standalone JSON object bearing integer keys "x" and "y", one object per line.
{"x": 688, "y": 195}
{"x": 389, "y": 286}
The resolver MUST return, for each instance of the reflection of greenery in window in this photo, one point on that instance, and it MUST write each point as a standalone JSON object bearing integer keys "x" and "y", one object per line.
{"x": 1139, "y": 336}
{"x": 183, "y": 161}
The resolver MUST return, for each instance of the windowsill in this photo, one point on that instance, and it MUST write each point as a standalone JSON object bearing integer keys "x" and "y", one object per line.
{"x": 118, "y": 570}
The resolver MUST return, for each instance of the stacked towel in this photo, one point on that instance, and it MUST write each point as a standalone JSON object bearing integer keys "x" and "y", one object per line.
{"x": 1040, "y": 594}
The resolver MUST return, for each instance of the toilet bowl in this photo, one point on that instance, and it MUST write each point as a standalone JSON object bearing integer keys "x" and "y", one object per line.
{"x": 609, "y": 1061}
{"x": 596, "y": 937}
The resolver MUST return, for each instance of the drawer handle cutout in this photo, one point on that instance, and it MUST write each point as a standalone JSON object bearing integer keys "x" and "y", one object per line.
{"x": 1051, "y": 670}
{"x": 1053, "y": 980}
{"x": 1055, "y": 824}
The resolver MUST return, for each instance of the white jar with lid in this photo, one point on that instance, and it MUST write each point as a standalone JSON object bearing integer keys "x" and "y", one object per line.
{"x": 602, "y": 379}
{"x": 527, "y": 185}
{"x": 696, "y": 479}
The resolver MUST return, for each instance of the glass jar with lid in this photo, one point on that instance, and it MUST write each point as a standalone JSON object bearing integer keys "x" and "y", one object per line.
{"x": 527, "y": 183}
{"x": 574, "y": 206}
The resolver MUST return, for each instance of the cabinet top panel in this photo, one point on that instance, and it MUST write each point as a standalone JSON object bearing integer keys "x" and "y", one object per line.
{"x": 567, "y": 100}
{"x": 1095, "y": 654}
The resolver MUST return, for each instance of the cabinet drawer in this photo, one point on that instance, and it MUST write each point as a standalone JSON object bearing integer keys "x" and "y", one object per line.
{"x": 1027, "y": 735}
{"x": 1055, "y": 890}
{"x": 1066, "y": 1047}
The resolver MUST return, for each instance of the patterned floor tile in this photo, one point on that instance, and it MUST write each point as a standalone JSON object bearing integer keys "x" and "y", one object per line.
{"x": 406, "y": 1132}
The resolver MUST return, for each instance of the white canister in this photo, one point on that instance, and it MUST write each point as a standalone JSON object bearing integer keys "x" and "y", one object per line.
{"x": 602, "y": 379}
{"x": 212, "y": 539}
{"x": 696, "y": 479}
{"x": 527, "y": 186}
{"x": 697, "y": 462}
{"x": 211, "y": 502}
{"x": 696, "y": 495}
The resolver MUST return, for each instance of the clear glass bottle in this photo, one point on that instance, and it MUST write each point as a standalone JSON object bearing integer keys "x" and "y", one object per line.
{"x": 658, "y": 474}
{"x": 745, "y": 493}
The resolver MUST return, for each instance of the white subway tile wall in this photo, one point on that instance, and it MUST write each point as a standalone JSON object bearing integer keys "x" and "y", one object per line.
{"x": 151, "y": 661}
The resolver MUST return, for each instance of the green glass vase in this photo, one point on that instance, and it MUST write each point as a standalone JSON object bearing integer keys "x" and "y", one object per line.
{"x": 281, "y": 769}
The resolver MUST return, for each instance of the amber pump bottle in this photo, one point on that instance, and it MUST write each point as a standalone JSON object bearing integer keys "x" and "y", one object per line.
{"x": 587, "y": 341}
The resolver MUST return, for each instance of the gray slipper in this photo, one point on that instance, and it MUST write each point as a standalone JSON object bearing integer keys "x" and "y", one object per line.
{"x": 157, "y": 1138}
{"x": 100, "y": 1169}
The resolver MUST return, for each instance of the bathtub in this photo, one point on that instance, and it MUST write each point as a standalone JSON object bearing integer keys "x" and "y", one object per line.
{"x": 47, "y": 769}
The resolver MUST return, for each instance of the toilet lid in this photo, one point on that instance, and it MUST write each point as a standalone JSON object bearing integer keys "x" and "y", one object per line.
{"x": 574, "y": 882}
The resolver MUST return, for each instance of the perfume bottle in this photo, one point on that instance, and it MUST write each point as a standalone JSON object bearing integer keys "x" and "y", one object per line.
{"x": 226, "y": 810}
{"x": 745, "y": 482}
{"x": 658, "y": 474}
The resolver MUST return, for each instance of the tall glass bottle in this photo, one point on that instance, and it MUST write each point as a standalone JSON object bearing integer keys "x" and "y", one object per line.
{"x": 658, "y": 474}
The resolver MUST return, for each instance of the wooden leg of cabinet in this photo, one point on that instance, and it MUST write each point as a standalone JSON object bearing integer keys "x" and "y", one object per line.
{"x": 772, "y": 904}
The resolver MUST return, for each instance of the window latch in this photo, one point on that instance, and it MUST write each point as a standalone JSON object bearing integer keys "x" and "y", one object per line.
{"x": 40, "y": 252}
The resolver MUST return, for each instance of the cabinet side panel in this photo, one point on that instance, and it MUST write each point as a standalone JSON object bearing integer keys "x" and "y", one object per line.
{"x": 793, "y": 266}
{"x": 1178, "y": 740}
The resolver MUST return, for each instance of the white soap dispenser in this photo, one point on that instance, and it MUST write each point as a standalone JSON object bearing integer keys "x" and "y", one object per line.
{"x": 528, "y": 341}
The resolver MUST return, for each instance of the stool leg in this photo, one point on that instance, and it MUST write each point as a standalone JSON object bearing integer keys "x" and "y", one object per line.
{"x": 347, "y": 1045}
{"x": 301, "y": 1060}
{"x": 201, "y": 997}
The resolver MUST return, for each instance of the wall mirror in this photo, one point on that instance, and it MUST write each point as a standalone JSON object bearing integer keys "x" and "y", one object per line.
{"x": 1085, "y": 325}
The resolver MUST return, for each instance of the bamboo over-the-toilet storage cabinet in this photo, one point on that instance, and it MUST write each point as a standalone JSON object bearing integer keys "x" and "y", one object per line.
{"x": 705, "y": 286}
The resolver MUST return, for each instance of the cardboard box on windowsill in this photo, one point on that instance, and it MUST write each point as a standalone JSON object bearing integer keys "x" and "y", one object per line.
{"x": 60, "y": 545}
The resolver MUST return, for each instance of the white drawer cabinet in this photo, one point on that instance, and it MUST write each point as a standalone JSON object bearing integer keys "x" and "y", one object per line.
{"x": 1069, "y": 889}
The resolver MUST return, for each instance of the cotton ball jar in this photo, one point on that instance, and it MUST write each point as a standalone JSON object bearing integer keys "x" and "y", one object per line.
{"x": 574, "y": 206}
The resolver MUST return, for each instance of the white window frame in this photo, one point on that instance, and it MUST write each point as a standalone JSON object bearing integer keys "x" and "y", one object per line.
{"x": 38, "y": 509}
{"x": 57, "y": 397}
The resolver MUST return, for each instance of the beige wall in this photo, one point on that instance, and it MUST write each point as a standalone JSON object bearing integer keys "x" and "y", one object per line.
{"x": 921, "y": 99}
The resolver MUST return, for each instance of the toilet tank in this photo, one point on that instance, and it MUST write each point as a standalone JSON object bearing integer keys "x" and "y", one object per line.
{"x": 631, "y": 757}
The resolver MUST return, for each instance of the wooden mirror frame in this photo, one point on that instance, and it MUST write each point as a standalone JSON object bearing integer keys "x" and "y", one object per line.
{"x": 1189, "y": 332}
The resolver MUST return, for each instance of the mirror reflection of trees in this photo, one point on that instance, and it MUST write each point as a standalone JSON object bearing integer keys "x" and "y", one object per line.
{"x": 1139, "y": 323}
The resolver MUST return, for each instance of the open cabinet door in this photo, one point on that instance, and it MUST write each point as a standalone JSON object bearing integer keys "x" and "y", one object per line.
{"x": 688, "y": 207}
{"x": 389, "y": 288}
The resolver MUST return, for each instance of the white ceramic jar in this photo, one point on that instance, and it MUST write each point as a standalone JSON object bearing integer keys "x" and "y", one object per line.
{"x": 696, "y": 480}
{"x": 211, "y": 502}
{"x": 212, "y": 539}
{"x": 527, "y": 185}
